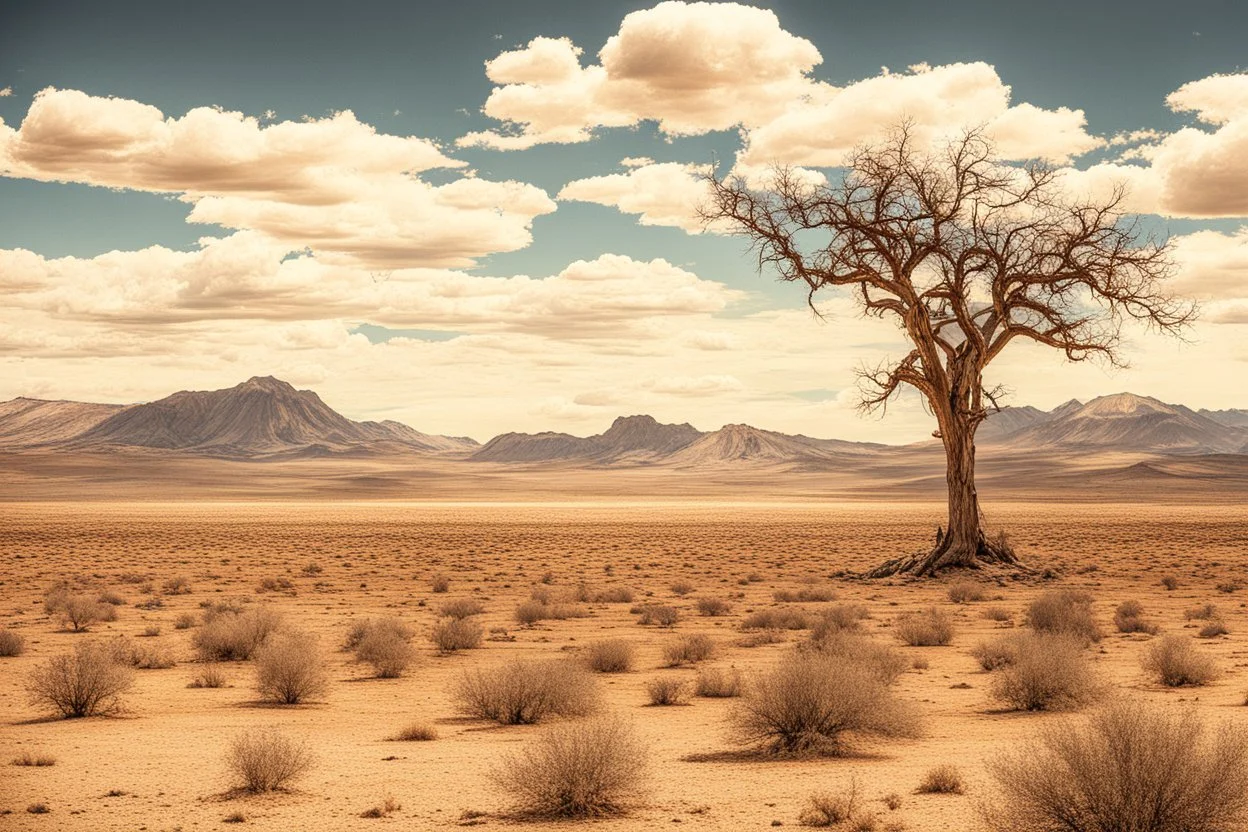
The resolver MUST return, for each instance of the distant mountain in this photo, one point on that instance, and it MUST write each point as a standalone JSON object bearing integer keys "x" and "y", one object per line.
{"x": 630, "y": 438}
{"x": 1235, "y": 418}
{"x": 743, "y": 443}
{"x": 260, "y": 417}
{"x": 1009, "y": 419}
{"x": 26, "y": 422}
{"x": 1130, "y": 423}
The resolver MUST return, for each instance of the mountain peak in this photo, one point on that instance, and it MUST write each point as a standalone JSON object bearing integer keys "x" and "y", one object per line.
{"x": 268, "y": 384}
{"x": 1123, "y": 404}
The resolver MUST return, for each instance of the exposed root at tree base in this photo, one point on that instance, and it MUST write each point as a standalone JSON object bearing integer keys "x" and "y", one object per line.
{"x": 996, "y": 555}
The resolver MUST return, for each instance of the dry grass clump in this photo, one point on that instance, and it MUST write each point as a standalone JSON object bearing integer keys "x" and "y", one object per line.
{"x": 1204, "y": 612}
{"x": 659, "y": 615}
{"x": 454, "y": 634}
{"x": 384, "y": 809}
{"x": 838, "y": 618}
{"x": 713, "y": 607}
{"x": 177, "y": 585}
{"x": 1130, "y": 767}
{"x": 543, "y": 607}
{"x": 87, "y": 682}
{"x": 210, "y": 676}
{"x": 389, "y": 653}
{"x": 943, "y": 779}
{"x": 805, "y": 594}
{"x": 966, "y": 592}
{"x": 612, "y": 595}
{"x": 1049, "y": 673}
{"x": 1213, "y": 628}
{"x": 525, "y": 692}
{"x": 996, "y": 654}
{"x": 863, "y": 651}
{"x": 826, "y": 809}
{"x": 12, "y": 643}
{"x": 38, "y": 759}
{"x": 668, "y": 690}
{"x": 439, "y": 583}
{"x": 416, "y": 732}
{"x": 932, "y": 627}
{"x": 718, "y": 683}
{"x": 75, "y": 611}
{"x": 1176, "y": 662}
{"x": 682, "y": 588}
{"x": 267, "y": 760}
{"x": 229, "y": 635}
{"x": 610, "y": 656}
{"x": 1129, "y": 618}
{"x": 595, "y": 768}
{"x": 289, "y": 669}
{"x": 462, "y": 608}
{"x": 777, "y": 618}
{"x": 815, "y": 703}
{"x": 689, "y": 649}
{"x": 1064, "y": 611}
{"x": 158, "y": 656}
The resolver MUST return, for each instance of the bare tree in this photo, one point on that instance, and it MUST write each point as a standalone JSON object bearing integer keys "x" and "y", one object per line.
{"x": 967, "y": 255}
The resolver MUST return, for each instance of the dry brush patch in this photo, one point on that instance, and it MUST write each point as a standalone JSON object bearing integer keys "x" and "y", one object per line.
{"x": 1048, "y": 672}
{"x": 1066, "y": 612}
{"x": 524, "y": 692}
{"x": 234, "y": 635}
{"x": 267, "y": 760}
{"x": 613, "y": 655}
{"x": 290, "y": 670}
{"x": 87, "y": 682}
{"x": 1175, "y": 661}
{"x": 932, "y": 627}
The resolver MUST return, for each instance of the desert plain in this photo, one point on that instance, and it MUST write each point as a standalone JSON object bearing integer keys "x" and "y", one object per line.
{"x": 325, "y": 564}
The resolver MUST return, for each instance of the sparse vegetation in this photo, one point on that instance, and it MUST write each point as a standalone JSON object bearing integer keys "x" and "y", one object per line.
{"x": 210, "y": 676}
{"x": 1049, "y": 672}
{"x": 439, "y": 583}
{"x": 87, "y": 682}
{"x": 884, "y": 662}
{"x": 713, "y": 607}
{"x": 594, "y": 768}
{"x": 1213, "y": 628}
{"x": 416, "y": 732}
{"x": 668, "y": 690}
{"x": 718, "y": 683}
{"x": 689, "y": 649}
{"x": 1129, "y": 618}
{"x": 75, "y": 611}
{"x": 838, "y": 618}
{"x": 803, "y": 594}
{"x": 12, "y": 643}
{"x": 229, "y": 635}
{"x": 943, "y": 779}
{"x": 385, "y": 644}
{"x": 682, "y": 588}
{"x": 36, "y": 759}
{"x": 812, "y": 702}
{"x": 1176, "y": 662}
{"x": 289, "y": 669}
{"x": 659, "y": 615}
{"x": 452, "y": 634}
{"x": 524, "y": 692}
{"x": 1064, "y": 611}
{"x": 610, "y": 656}
{"x": 777, "y": 618}
{"x": 267, "y": 760}
{"x": 384, "y": 809}
{"x": 966, "y": 592}
{"x": 996, "y": 654}
{"x": 932, "y": 627}
{"x": 462, "y": 608}
{"x": 1130, "y": 767}
{"x": 844, "y": 809}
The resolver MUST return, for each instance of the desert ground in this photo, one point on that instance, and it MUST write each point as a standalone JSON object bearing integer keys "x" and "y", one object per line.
{"x": 159, "y": 765}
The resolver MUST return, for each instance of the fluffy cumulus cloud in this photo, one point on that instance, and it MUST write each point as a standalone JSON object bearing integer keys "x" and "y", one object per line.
{"x": 690, "y": 67}
{"x": 334, "y": 185}
{"x": 665, "y": 193}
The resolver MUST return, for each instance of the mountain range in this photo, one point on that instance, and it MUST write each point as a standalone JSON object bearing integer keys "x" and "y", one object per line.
{"x": 265, "y": 418}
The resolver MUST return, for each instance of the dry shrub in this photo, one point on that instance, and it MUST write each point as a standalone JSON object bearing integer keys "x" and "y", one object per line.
{"x": 996, "y": 654}
{"x": 1204, "y": 612}
{"x": 689, "y": 649}
{"x": 416, "y": 732}
{"x": 824, "y": 809}
{"x": 758, "y": 638}
{"x": 462, "y": 608}
{"x": 384, "y": 809}
{"x": 277, "y": 584}
{"x": 439, "y": 583}
{"x": 966, "y": 592}
{"x": 594, "y": 768}
{"x": 943, "y": 779}
{"x": 838, "y": 618}
{"x": 456, "y": 634}
{"x": 361, "y": 628}
{"x": 718, "y": 683}
{"x": 932, "y": 627}
{"x": 545, "y": 609}
{"x": 813, "y": 703}
{"x": 38, "y": 759}
{"x": 1176, "y": 662}
{"x": 228, "y": 635}
{"x": 1129, "y": 618}
{"x": 1213, "y": 628}
{"x": 1064, "y": 611}
{"x": 524, "y": 692}
{"x": 682, "y": 588}
{"x": 1129, "y": 768}
{"x": 1170, "y": 582}
{"x": 210, "y": 677}
{"x": 388, "y": 650}
{"x": 863, "y": 651}
{"x": 1049, "y": 673}
{"x": 87, "y": 682}
{"x": 267, "y": 760}
{"x": 613, "y": 595}
{"x": 289, "y": 669}
{"x": 108, "y": 596}
{"x": 76, "y": 612}
{"x": 657, "y": 614}
{"x": 154, "y": 657}
{"x": 713, "y": 607}
{"x": 777, "y": 618}
{"x": 177, "y": 585}
{"x": 12, "y": 643}
{"x": 530, "y": 612}
{"x": 610, "y": 656}
{"x": 668, "y": 690}
{"x": 999, "y": 614}
{"x": 805, "y": 594}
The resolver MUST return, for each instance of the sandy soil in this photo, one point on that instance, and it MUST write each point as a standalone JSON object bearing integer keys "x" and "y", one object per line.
{"x": 163, "y": 758}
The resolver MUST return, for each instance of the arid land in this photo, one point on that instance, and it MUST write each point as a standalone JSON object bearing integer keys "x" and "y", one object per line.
{"x": 162, "y": 759}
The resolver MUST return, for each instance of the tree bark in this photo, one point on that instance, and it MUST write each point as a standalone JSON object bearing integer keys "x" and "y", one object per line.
{"x": 963, "y": 544}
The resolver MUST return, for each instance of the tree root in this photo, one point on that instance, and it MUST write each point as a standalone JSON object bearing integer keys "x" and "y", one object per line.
{"x": 986, "y": 554}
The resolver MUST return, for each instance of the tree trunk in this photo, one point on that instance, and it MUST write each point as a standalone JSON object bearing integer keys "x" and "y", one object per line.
{"x": 962, "y": 543}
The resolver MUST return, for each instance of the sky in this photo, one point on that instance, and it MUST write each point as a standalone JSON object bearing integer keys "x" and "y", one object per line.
{"x": 481, "y": 216}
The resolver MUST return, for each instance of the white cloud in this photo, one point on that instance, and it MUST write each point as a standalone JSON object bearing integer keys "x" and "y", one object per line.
{"x": 334, "y": 185}
{"x": 6, "y": 92}
{"x": 695, "y": 385}
{"x": 1213, "y": 265}
{"x": 661, "y": 194}
{"x": 1216, "y": 99}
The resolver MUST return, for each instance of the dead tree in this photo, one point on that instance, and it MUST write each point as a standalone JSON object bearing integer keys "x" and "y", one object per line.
{"x": 966, "y": 254}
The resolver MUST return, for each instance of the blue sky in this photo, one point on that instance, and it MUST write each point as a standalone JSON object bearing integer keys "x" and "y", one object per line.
{"x": 418, "y": 70}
